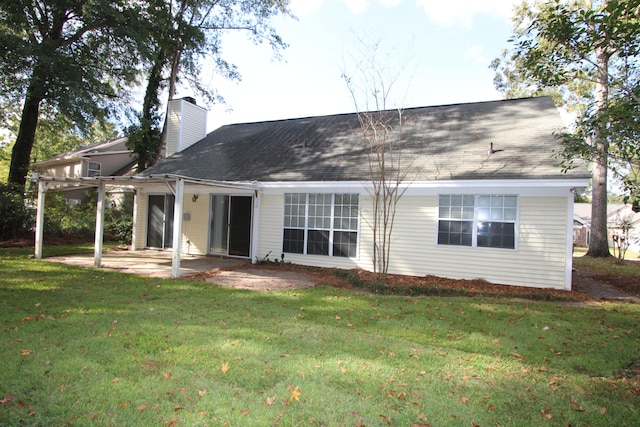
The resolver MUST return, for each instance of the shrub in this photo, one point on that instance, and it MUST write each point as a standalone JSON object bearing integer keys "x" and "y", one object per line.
{"x": 16, "y": 213}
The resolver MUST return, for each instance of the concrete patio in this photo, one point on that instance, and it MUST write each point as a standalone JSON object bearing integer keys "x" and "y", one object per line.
{"x": 150, "y": 263}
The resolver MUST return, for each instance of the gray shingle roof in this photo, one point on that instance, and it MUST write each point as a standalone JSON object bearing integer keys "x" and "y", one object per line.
{"x": 438, "y": 143}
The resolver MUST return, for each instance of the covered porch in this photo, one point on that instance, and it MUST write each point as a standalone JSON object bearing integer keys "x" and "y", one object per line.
{"x": 145, "y": 261}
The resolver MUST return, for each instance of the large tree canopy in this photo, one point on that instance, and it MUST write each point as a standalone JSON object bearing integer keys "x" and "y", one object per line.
{"x": 185, "y": 35}
{"x": 72, "y": 55}
{"x": 585, "y": 53}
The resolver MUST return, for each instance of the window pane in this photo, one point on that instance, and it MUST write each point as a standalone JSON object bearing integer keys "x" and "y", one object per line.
{"x": 511, "y": 201}
{"x": 510, "y": 214}
{"x": 496, "y": 235}
{"x": 458, "y": 233}
{"x": 318, "y": 242}
{"x": 344, "y": 243}
{"x": 293, "y": 241}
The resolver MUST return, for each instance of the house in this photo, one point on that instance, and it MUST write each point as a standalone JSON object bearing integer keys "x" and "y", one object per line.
{"x": 484, "y": 196}
{"x": 618, "y": 215}
{"x": 107, "y": 158}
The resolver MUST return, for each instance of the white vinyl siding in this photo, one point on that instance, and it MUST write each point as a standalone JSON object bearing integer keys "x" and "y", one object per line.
{"x": 195, "y": 230}
{"x": 140, "y": 238}
{"x": 187, "y": 124}
{"x": 538, "y": 261}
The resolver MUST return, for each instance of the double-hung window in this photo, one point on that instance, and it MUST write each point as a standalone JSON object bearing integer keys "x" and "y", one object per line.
{"x": 321, "y": 224}
{"x": 487, "y": 221}
{"x": 94, "y": 169}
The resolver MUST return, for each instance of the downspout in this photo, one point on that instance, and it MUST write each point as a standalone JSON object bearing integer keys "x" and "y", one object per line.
{"x": 568, "y": 274}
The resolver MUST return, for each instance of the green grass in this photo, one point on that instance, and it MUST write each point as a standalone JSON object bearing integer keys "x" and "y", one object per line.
{"x": 607, "y": 266}
{"x": 93, "y": 347}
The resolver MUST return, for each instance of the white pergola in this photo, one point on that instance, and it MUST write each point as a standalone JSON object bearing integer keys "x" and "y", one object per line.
{"x": 175, "y": 183}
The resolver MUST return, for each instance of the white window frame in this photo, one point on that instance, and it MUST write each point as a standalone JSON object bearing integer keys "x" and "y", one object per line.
{"x": 306, "y": 218}
{"x": 477, "y": 218}
{"x": 91, "y": 169}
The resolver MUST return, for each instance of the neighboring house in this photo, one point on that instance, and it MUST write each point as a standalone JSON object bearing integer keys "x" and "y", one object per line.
{"x": 484, "y": 197}
{"x": 618, "y": 214}
{"x": 109, "y": 158}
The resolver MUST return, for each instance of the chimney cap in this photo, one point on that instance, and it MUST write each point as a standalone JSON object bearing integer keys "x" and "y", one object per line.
{"x": 190, "y": 99}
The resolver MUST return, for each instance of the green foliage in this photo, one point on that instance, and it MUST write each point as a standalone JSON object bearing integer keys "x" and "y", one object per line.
{"x": 83, "y": 346}
{"x": 587, "y": 54}
{"x": 178, "y": 35}
{"x": 80, "y": 220}
{"x": 60, "y": 219}
{"x": 70, "y": 57}
{"x": 16, "y": 216}
{"x": 118, "y": 221}
{"x": 265, "y": 260}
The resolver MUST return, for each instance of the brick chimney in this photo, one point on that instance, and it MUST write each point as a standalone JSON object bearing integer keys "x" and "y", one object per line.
{"x": 186, "y": 125}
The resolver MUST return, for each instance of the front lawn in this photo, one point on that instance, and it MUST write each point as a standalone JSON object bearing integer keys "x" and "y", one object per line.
{"x": 93, "y": 347}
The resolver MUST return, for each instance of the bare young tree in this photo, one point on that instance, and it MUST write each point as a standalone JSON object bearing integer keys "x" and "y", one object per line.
{"x": 371, "y": 88}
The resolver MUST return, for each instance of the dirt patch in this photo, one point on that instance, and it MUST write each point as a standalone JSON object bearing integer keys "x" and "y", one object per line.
{"x": 261, "y": 279}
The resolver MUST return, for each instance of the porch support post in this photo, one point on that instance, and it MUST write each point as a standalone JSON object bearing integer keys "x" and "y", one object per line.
{"x": 42, "y": 186}
{"x": 177, "y": 228}
{"x": 97, "y": 248}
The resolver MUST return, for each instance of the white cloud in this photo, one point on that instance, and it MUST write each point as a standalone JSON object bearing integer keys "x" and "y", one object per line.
{"x": 389, "y": 3}
{"x": 357, "y": 6}
{"x": 476, "y": 55}
{"x": 305, "y": 7}
{"x": 462, "y": 12}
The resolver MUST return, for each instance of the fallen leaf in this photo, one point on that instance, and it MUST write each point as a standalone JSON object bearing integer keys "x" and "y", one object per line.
{"x": 490, "y": 408}
{"x": 124, "y": 404}
{"x": 269, "y": 401}
{"x": 603, "y": 410}
{"x": 576, "y": 406}
{"x": 7, "y": 399}
{"x": 279, "y": 417}
{"x": 295, "y": 394}
{"x": 201, "y": 393}
{"x": 225, "y": 367}
{"x": 178, "y": 409}
{"x": 25, "y": 352}
{"x": 115, "y": 380}
{"x": 166, "y": 375}
{"x": 246, "y": 412}
{"x": 203, "y": 412}
{"x": 172, "y": 423}
{"x": 143, "y": 406}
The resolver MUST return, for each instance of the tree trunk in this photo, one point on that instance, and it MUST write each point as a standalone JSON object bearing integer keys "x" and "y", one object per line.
{"x": 599, "y": 242}
{"x": 21, "y": 154}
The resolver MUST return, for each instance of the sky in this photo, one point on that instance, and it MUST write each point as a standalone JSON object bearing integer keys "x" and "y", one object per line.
{"x": 439, "y": 50}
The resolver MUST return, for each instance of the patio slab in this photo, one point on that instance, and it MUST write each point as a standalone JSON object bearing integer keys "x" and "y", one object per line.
{"x": 151, "y": 263}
